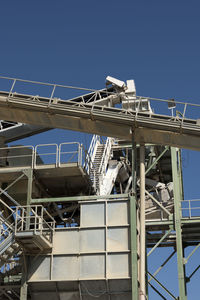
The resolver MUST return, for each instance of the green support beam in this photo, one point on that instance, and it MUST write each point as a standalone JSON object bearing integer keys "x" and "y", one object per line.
{"x": 78, "y": 198}
{"x": 133, "y": 228}
{"x": 176, "y": 173}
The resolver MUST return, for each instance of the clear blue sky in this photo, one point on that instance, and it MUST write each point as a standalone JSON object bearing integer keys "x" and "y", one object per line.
{"x": 81, "y": 42}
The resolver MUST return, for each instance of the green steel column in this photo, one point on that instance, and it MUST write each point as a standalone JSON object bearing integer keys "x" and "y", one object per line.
{"x": 24, "y": 285}
{"x": 176, "y": 173}
{"x": 142, "y": 225}
{"x": 29, "y": 174}
{"x": 23, "y": 291}
{"x": 133, "y": 227}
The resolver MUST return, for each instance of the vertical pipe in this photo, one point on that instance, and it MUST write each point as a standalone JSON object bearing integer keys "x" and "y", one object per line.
{"x": 133, "y": 227}
{"x": 142, "y": 226}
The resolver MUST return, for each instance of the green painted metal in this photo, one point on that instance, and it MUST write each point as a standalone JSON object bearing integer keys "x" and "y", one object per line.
{"x": 78, "y": 198}
{"x": 156, "y": 160}
{"x": 157, "y": 291}
{"x": 159, "y": 242}
{"x": 29, "y": 174}
{"x": 158, "y": 203}
{"x": 133, "y": 228}
{"x": 162, "y": 286}
{"x": 12, "y": 183}
{"x": 163, "y": 264}
{"x": 23, "y": 291}
{"x": 176, "y": 170}
{"x": 195, "y": 270}
{"x": 193, "y": 251}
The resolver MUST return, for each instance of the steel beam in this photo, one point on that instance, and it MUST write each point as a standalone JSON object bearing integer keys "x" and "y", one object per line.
{"x": 115, "y": 122}
{"x": 79, "y": 198}
{"x": 176, "y": 169}
{"x": 133, "y": 227}
{"x": 142, "y": 225}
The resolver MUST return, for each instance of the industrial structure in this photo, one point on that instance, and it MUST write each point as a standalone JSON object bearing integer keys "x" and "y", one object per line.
{"x": 76, "y": 223}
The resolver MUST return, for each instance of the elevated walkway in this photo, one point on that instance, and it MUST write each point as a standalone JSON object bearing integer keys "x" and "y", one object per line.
{"x": 88, "y": 113}
{"x": 57, "y": 170}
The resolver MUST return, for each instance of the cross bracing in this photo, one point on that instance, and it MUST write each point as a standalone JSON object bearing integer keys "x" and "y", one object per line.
{"x": 137, "y": 169}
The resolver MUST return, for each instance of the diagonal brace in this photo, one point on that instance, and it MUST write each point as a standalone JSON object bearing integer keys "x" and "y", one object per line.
{"x": 157, "y": 291}
{"x": 195, "y": 270}
{"x": 193, "y": 251}
{"x": 157, "y": 159}
{"x": 160, "y": 241}
{"x": 163, "y": 264}
{"x": 11, "y": 184}
{"x": 158, "y": 203}
{"x": 162, "y": 286}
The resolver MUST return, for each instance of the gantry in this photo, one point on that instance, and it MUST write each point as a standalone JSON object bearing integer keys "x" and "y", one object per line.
{"x": 76, "y": 223}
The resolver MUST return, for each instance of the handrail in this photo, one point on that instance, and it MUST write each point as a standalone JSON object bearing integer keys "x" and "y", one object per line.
{"x": 33, "y": 219}
{"x": 41, "y": 154}
{"x": 35, "y": 154}
{"x": 31, "y": 155}
{"x": 105, "y": 156}
{"x": 190, "y": 209}
{"x": 79, "y": 152}
{"x": 93, "y": 143}
{"x": 89, "y": 166}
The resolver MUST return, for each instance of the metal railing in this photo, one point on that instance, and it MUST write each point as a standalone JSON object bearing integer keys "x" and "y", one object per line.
{"x": 49, "y": 154}
{"x": 42, "y": 154}
{"x": 17, "y": 156}
{"x": 106, "y": 155}
{"x": 93, "y": 146}
{"x": 90, "y": 168}
{"x": 67, "y": 153}
{"x": 179, "y": 110}
{"x": 190, "y": 208}
{"x": 7, "y": 225}
{"x": 34, "y": 218}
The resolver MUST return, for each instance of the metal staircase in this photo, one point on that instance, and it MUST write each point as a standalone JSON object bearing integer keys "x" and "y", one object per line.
{"x": 100, "y": 154}
{"x": 27, "y": 228}
{"x": 9, "y": 248}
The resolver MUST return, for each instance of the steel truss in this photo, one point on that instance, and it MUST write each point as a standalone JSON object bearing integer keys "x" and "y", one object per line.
{"x": 140, "y": 128}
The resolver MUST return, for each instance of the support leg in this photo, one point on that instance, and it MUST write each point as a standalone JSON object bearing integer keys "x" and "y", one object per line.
{"x": 133, "y": 228}
{"x": 142, "y": 226}
{"x": 176, "y": 173}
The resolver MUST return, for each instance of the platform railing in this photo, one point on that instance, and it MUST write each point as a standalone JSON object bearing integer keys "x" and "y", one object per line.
{"x": 190, "y": 208}
{"x": 34, "y": 218}
{"x": 42, "y": 154}
{"x": 93, "y": 145}
{"x": 177, "y": 110}
{"x": 70, "y": 152}
{"x": 17, "y": 156}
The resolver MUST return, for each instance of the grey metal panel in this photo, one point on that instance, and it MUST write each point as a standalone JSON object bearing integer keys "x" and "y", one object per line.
{"x": 93, "y": 214}
{"x": 119, "y": 285}
{"x": 39, "y": 269}
{"x": 90, "y": 297}
{"x": 66, "y": 241}
{"x": 92, "y": 266}
{"x": 118, "y": 265}
{"x": 92, "y": 240}
{"x": 69, "y": 296}
{"x": 40, "y": 295}
{"x": 118, "y": 213}
{"x": 80, "y": 253}
{"x": 65, "y": 267}
{"x": 126, "y": 296}
{"x": 117, "y": 239}
{"x": 97, "y": 288}
{"x": 54, "y": 295}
